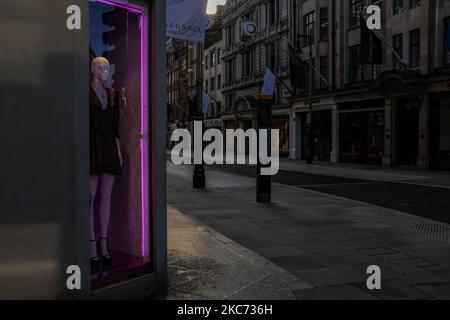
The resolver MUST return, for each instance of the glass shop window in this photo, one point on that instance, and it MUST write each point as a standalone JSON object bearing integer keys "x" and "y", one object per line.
{"x": 118, "y": 142}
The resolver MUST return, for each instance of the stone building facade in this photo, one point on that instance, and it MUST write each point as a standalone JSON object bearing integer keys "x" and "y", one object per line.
{"x": 213, "y": 71}
{"x": 245, "y": 62}
{"x": 382, "y": 114}
{"x": 177, "y": 77}
{"x": 377, "y": 114}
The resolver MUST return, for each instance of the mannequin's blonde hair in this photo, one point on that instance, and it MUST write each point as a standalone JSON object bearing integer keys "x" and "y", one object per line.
{"x": 99, "y": 61}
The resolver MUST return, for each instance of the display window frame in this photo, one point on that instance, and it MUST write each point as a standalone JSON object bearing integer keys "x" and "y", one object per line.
{"x": 145, "y": 165}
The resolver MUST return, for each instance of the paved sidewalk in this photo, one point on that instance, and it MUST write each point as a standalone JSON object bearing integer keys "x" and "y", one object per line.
{"x": 367, "y": 172}
{"x": 322, "y": 240}
{"x": 204, "y": 264}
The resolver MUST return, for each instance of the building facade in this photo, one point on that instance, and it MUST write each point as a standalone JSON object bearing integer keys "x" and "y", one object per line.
{"x": 393, "y": 114}
{"x": 177, "y": 77}
{"x": 213, "y": 71}
{"x": 245, "y": 61}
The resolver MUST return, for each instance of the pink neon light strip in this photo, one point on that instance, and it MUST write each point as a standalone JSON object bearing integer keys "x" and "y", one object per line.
{"x": 144, "y": 133}
{"x": 143, "y": 23}
{"x": 122, "y": 5}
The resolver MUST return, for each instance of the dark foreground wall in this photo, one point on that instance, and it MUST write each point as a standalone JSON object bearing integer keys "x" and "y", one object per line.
{"x": 43, "y": 147}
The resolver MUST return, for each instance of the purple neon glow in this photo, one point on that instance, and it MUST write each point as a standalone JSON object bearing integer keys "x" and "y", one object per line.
{"x": 143, "y": 24}
{"x": 144, "y": 131}
{"x": 122, "y": 5}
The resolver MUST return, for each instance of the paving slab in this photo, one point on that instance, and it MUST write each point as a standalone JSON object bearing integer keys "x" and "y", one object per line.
{"x": 323, "y": 244}
{"x": 206, "y": 265}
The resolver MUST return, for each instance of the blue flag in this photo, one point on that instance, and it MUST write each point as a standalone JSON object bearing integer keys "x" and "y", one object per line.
{"x": 205, "y": 102}
{"x": 270, "y": 79}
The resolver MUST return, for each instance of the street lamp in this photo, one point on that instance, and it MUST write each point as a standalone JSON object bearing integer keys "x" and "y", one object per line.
{"x": 309, "y": 154}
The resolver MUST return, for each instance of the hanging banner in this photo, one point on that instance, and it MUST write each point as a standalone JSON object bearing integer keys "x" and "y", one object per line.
{"x": 371, "y": 46}
{"x": 186, "y": 19}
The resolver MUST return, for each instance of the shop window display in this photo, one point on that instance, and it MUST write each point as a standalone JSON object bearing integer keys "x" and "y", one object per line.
{"x": 118, "y": 142}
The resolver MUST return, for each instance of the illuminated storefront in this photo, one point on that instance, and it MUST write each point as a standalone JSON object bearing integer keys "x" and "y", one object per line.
{"x": 72, "y": 197}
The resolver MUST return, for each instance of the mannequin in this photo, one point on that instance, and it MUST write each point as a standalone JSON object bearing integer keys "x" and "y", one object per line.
{"x": 105, "y": 158}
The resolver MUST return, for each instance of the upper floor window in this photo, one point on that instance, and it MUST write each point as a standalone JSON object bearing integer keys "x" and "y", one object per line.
{"x": 414, "y": 3}
{"x": 212, "y": 84}
{"x": 219, "y": 82}
{"x": 273, "y": 54}
{"x": 356, "y": 7}
{"x": 414, "y": 48}
{"x": 229, "y": 35}
{"x": 447, "y": 41}
{"x": 323, "y": 24}
{"x": 355, "y": 65}
{"x": 274, "y": 11}
{"x": 212, "y": 58}
{"x": 229, "y": 70}
{"x": 309, "y": 22}
{"x": 229, "y": 100}
{"x": 397, "y": 6}
{"x": 248, "y": 63}
{"x": 249, "y": 16}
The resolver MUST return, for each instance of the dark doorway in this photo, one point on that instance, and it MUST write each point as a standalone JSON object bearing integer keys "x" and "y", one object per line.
{"x": 407, "y": 132}
{"x": 440, "y": 133}
{"x": 361, "y": 137}
{"x": 321, "y": 130}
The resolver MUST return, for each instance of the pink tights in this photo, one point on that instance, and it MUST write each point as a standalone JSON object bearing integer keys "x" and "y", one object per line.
{"x": 107, "y": 183}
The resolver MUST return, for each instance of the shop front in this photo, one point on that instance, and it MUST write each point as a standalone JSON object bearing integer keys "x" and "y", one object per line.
{"x": 440, "y": 132}
{"x": 85, "y": 212}
{"x": 281, "y": 123}
{"x": 361, "y": 136}
{"x": 407, "y": 131}
{"x": 322, "y": 133}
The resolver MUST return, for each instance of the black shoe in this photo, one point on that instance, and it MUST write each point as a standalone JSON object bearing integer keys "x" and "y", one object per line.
{"x": 95, "y": 265}
{"x": 107, "y": 263}
{"x": 107, "y": 259}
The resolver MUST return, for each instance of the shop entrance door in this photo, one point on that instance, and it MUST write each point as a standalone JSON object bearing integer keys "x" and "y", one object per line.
{"x": 407, "y": 126}
{"x": 118, "y": 33}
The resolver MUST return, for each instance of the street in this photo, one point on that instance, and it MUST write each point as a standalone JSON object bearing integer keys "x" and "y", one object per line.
{"x": 428, "y": 202}
{"x": 326, "y": 230}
